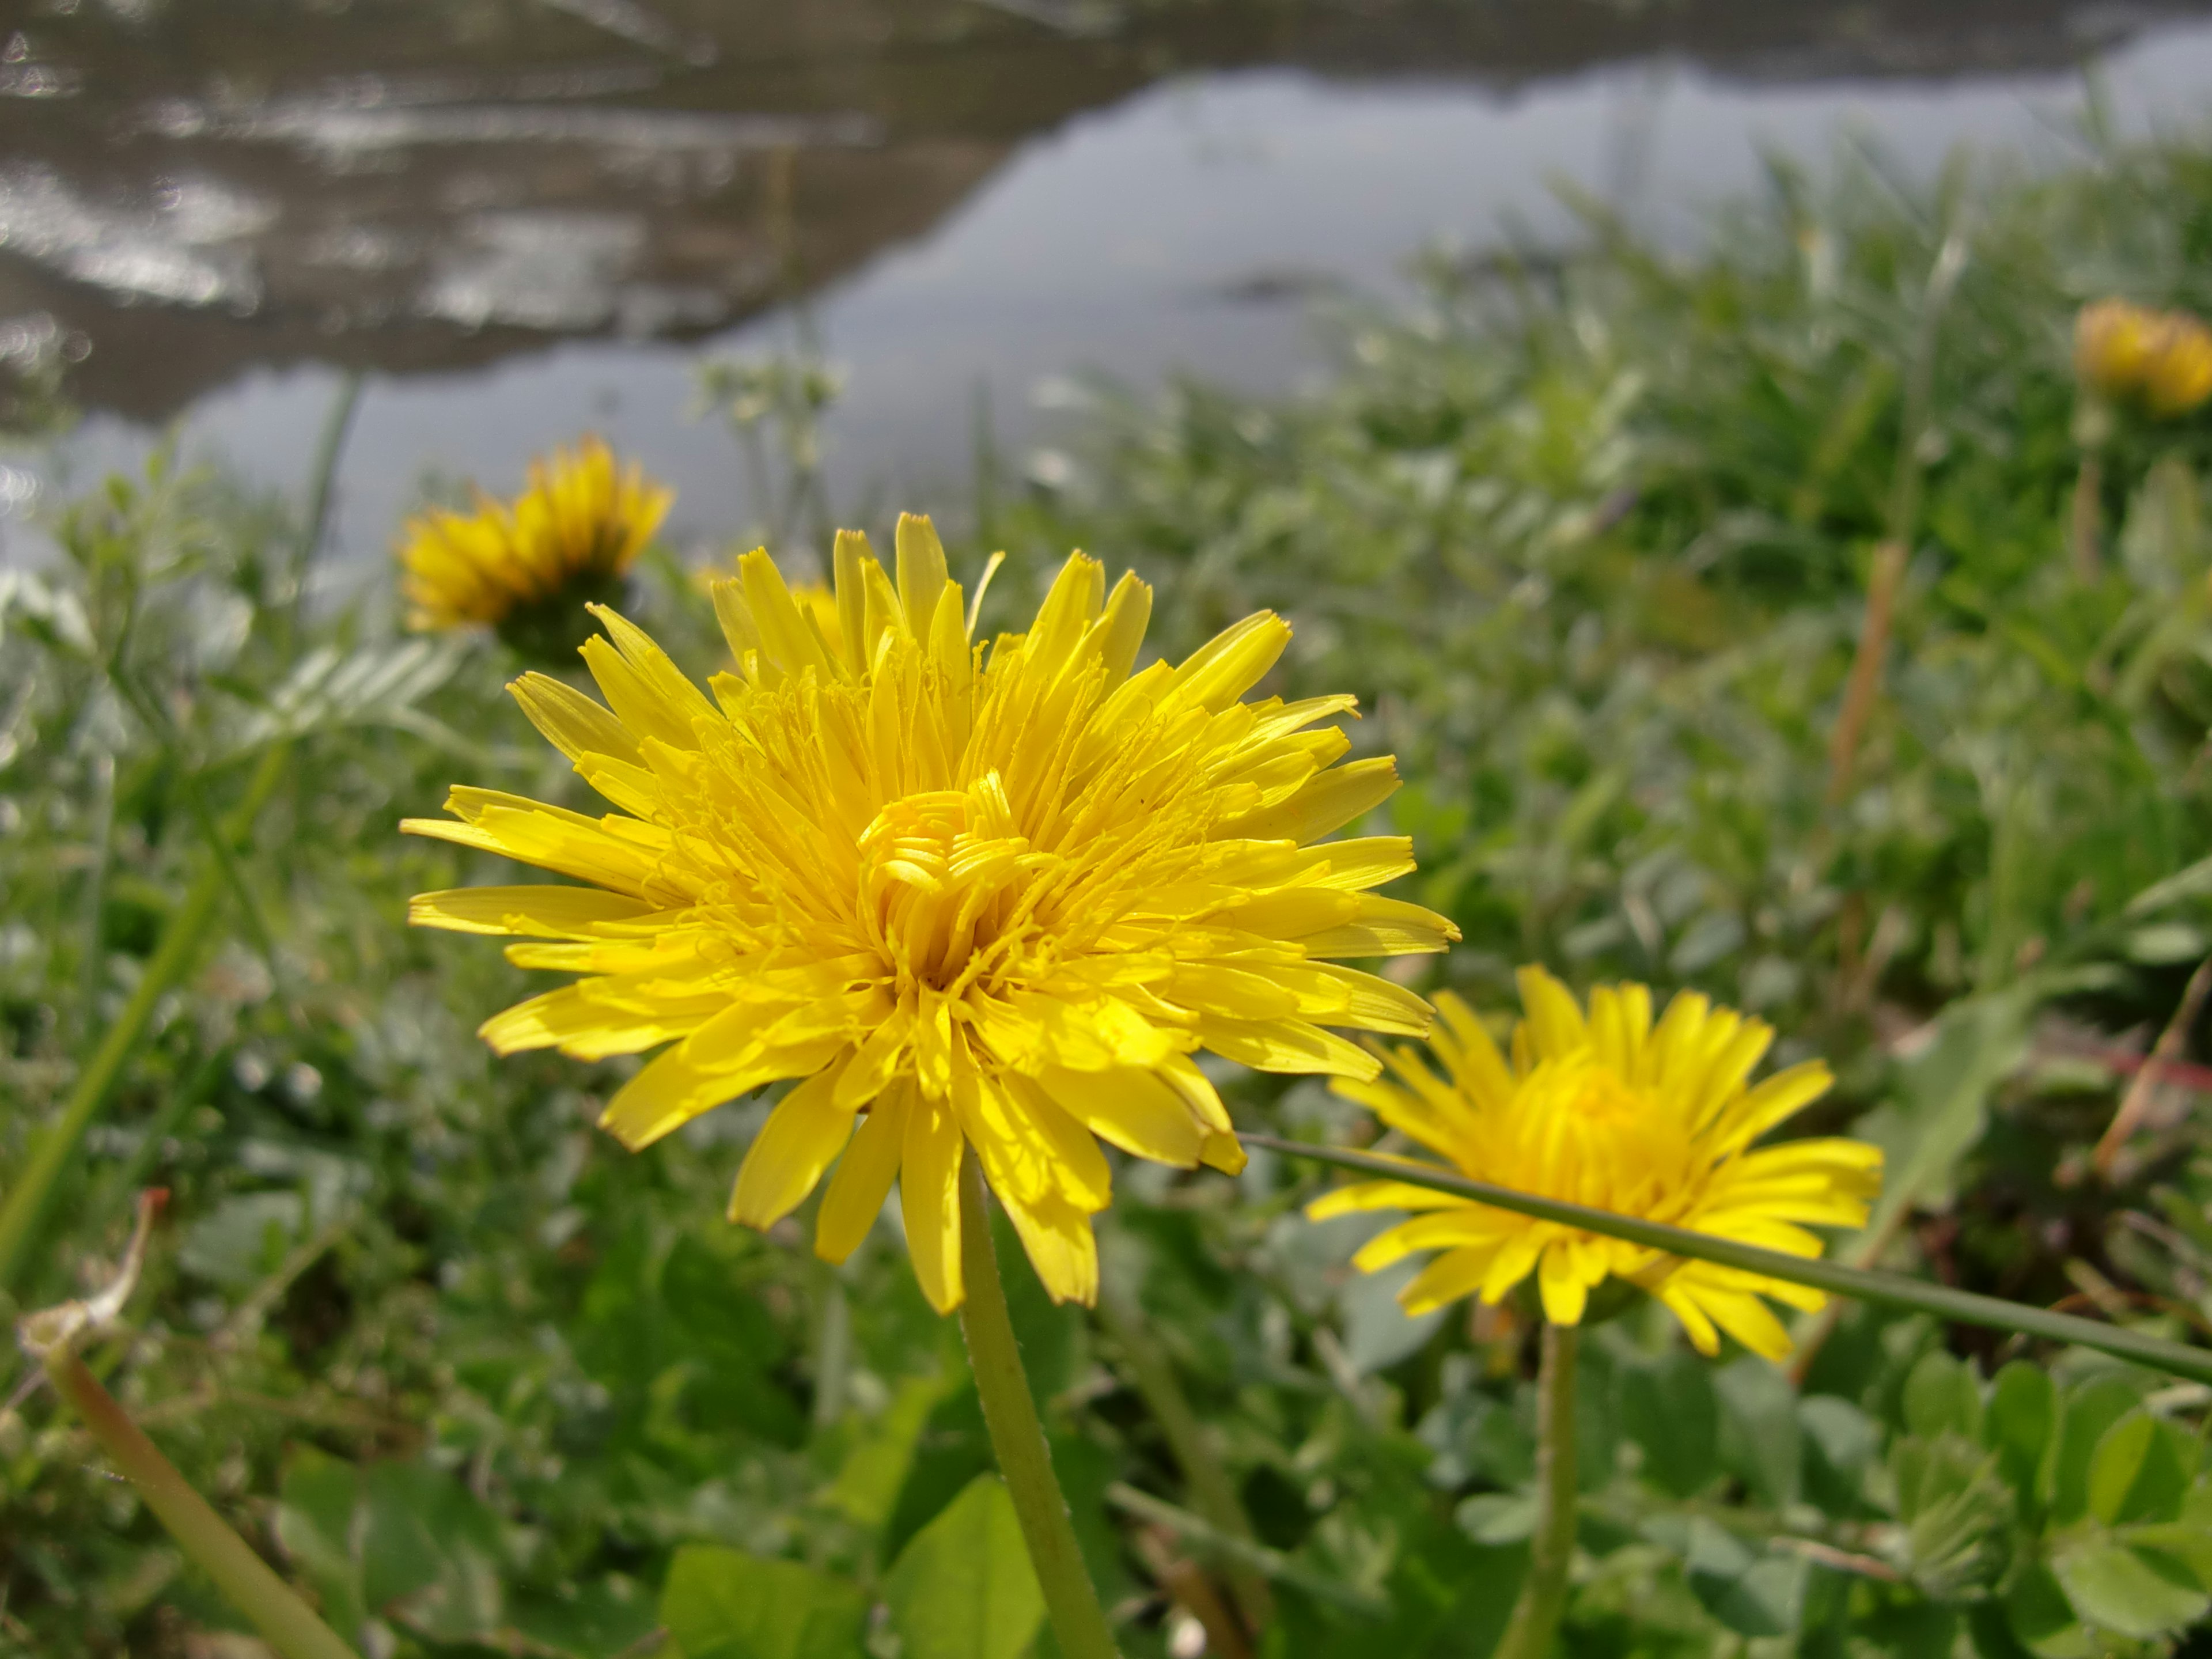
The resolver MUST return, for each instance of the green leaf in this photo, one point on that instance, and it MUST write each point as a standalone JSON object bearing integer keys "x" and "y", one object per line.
{"x": 964, "y": 1589}
{"x": 876, "y": 1464}
{"x": 2021, "y": 1426}
{"x": 1752, "y": 1593}
{"x": 2138, "y": 1471}
{"x": 1498, "y": 1517}
{"x": 2044, "y": 1620}
{"x": 724, "y": 1604}
{"x": 402, "y": 1541}
{"x": 1943, "y": 1099}
{"x": 601, "y": 1619}
{"x": 951, "y": 1450}
{"x": 1760, "y": 1439}
{"x": 430, "y": 1552}
{"x": 1668, "y": 1409}
{"x": 314, "y": 1523}
{"x": 2137, "y": 1593}
{"x": 2187, "y": 1543}
{"x": 2089, "y": 1411}
{"x": 1841, "y": 1443}
{"x": 1943, "y": 1397}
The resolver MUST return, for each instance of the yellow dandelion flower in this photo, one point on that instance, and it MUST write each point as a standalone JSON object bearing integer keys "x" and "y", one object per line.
{"x": 989, "y": 900}
{"x": 2123, "y": 351}
{"x": 527, "y": 568}
{"x": 1614, "y": 1112}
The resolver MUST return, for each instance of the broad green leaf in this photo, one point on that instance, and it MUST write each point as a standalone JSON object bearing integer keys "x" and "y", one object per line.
{"x": 724, "y": 1604}
{"x": 2045, "y": 1620}
{"x": 1759, "y": 1439}
{"x": 951, "y": 1450}
{"x": 430, "y": 1552}
{"x": 1942, "y": 1101}
{"x": 1941, "y": 1397}
{"x": 1840, "y": 1444}
{"x": 2021, "y": 1425}
{"x": 2138, "y": 1472}
{"x": 964, "y": 1589}
{"x": 2137, "y": 1593}
{"x": 875, "y": 1468}
{"x": 2187, "y": 1543}
{"x": 1668, "y": 1409}
{"x": 1498, "y": 1517}
{"x": 601, "y": 1619}
{"x": 1752, "y": 1593}
{"x": 314, "y": 1525}
{"x": 2089, "y": 1411}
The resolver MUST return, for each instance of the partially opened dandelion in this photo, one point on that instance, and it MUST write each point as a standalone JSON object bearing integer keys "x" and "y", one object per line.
{"x": 528, "y": 569}
{"x": 1613, "y": 1111}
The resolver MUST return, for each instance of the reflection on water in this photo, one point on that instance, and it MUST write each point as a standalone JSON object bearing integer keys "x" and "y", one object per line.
{"x": 523, "y": 215}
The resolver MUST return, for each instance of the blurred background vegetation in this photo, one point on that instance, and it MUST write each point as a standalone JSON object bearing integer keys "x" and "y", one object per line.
{"x": 1594, "y": 537}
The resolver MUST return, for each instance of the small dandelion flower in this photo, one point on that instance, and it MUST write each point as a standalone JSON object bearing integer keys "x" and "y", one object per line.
{"x": 527, "y": 569}
{"x": 970, "y": 900}
{"x": 1615, "y": 1113}
{"x": 2124, "y": 351}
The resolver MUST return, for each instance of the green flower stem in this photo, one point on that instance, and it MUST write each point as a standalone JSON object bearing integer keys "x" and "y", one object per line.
{"x": 180, "y": 943}
{"x": 1071, "y": 1599}
{"x": 1536, "y": 1617}
{"x": 285, "y": 1620}
{"x": 1886, "y": 1289}
{"x": 1213, "y": 1493}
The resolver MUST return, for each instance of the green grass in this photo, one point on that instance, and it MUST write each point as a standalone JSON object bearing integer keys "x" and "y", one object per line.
{"x": 1591, "y": 539}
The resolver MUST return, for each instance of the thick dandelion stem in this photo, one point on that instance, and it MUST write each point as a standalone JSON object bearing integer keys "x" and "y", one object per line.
{"x": 285, "y": 1620}
{"x": 1071, "y": 1600}
{"x": 1535, "y": 1619}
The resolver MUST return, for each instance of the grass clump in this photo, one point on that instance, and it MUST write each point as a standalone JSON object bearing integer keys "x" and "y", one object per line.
{"x": 1595, "y": 540}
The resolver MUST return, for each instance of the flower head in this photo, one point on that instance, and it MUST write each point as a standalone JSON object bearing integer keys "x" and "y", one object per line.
{"x": 1613, "y": 1112}
{"x": 2164, "y": 358}
{"x": 970, "y": 900}
{"x": 528, "y": 569}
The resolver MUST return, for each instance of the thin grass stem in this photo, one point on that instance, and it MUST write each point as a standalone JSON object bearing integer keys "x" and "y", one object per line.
{"x": 285, "y": 1622}
{"x": 1886, "y": 1290}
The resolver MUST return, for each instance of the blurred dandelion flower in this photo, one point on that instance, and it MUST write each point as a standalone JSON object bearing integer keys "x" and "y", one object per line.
{"x": 995, "y": 905}
{"x": 1618, "y": 1114}
{"x": 527, "y": 569}
{"x": 2164, "y": 358}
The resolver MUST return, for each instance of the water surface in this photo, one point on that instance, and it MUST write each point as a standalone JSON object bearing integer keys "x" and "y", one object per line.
{"x": 523, "y": 218}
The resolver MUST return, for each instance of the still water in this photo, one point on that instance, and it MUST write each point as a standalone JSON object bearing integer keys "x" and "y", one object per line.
{"x": 520, "y": 218}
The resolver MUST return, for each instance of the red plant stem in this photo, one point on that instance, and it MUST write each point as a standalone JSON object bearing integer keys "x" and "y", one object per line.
{"x": 283, "y": 1620}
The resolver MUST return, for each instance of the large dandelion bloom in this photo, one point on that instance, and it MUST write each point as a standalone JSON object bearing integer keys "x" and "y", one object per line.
{"x": 529, "y": 567}
{"x": 971, "y": 901}
{"x": 1618, "y": 1114}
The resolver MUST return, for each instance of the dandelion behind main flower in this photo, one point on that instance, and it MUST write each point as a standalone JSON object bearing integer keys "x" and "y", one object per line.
{"x": 2123, "y": 352}
{"x": 527, "y": 569}
{"x": 993, "y": 902}
{"x": 1615, "y": 1113}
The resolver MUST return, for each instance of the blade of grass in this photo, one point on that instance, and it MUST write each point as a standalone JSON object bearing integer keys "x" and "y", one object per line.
{"x": 1887, "y": 1290}
{"x": 180, "y": 943}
